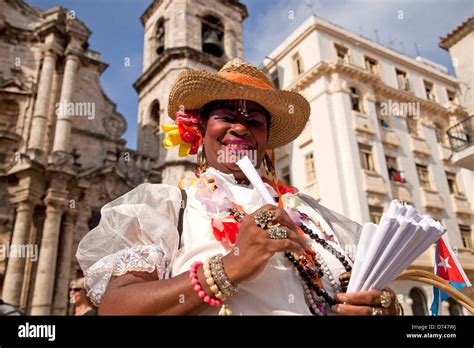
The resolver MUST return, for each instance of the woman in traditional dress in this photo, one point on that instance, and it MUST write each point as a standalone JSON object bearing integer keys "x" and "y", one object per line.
{"x": 215, "y": 247}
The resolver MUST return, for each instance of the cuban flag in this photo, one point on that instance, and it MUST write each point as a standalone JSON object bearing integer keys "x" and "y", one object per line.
{"x": 447, "y": 266}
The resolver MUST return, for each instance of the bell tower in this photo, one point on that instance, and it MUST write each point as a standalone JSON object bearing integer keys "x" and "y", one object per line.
{"x": 178, "y": 35}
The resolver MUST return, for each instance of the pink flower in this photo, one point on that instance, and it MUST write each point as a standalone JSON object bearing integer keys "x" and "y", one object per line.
{"x": 189, "y": 118}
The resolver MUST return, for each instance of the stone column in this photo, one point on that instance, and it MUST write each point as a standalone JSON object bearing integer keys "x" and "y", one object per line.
{"x": 65, "y": 257}
{"x": 63, "y": 124}
{"x": 40, "y": 114}
{"x": 45, "y": 274}
{"x": 12, "y": 284}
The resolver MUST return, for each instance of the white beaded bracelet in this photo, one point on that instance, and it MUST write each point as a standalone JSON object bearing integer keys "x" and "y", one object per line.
{"x": 211, "y": 282}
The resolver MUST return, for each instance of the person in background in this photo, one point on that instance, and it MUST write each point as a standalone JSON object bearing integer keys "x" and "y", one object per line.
{"x": 78, "y": 296}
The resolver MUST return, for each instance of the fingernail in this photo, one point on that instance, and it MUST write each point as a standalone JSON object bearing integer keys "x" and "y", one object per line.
{"x": 335, "y": 308}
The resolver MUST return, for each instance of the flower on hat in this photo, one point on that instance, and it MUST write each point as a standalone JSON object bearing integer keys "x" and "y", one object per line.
{"x": 185, "y": 133}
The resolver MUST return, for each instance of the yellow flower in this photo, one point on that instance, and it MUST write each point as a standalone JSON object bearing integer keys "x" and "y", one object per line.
{"x": 173, "y": 138}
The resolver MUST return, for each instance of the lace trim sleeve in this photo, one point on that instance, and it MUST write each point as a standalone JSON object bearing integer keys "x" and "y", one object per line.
{"x": 141, "y": 258}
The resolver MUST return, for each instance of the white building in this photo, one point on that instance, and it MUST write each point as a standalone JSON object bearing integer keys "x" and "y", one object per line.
{"x": 377, "y": 132}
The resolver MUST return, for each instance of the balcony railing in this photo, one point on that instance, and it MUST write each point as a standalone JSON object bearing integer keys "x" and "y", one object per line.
{"x": 461, "y": 135}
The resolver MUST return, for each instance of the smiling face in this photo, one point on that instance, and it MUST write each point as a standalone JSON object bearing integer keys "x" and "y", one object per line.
{"x": 229, "y": 135}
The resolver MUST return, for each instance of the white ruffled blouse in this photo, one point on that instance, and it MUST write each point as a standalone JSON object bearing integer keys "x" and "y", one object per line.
{"x": 138, "y": 232}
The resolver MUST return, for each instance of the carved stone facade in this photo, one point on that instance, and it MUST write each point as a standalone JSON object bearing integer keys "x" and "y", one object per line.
{"x": 62, "y": 154}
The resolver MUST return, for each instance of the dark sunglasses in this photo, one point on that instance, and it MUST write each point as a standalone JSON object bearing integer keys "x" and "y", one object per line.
{"x": 76, "y": 289}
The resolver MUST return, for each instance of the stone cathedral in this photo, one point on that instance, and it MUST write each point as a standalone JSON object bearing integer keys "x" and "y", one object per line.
{"x": 62, "y": 152}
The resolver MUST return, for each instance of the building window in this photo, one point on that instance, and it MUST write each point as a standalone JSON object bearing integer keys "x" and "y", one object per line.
{"x": 452, "y": 97}
{"x": 375, "y": 214}
{"x": 394, "y": 173}
{"x": 383, "y": 120}
{"x": 452, "y": 183}
{"x": 275, "y": 79}
{"x": 366, "y": 158}
{"x": 439, "y": 133}
{"x": 309, "y": 168}
{"x": 297, "y": 65}
{"x": 356, "y": 100}
{"x": 160, "y": 36}
{"x": 412, "y": 125}
{"x": 342, "y": 53}
{"x": 423, "y": 176}
{"x": 285, "y": 175}
{"x": 429, "y": 91}
{"x": 402, "y": 79}
{"x": 155, "y": 113}
{"x": 372, "y": 66}
{"x": 212, "y": 36}
{"x": 418, "y": 306}
{"x": 466, "y": 236}
{"x": 9, "y": 112}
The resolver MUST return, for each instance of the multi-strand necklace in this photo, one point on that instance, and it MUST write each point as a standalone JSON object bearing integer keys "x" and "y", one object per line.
{"x": 312, "y": 269}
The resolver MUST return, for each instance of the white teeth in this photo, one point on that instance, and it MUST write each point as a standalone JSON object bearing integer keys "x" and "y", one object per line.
{"x": 238, "y": 146}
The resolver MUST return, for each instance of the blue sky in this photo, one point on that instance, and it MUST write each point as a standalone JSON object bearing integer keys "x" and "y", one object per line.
{"x": 118, "y": 34}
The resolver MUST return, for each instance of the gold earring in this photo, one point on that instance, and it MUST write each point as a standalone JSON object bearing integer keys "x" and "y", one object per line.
{"x": 201, "y": 160}
{"x": 269, "y": 168}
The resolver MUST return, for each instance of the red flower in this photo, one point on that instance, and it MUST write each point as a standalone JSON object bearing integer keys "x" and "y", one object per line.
{"x": 285, "y": 189}
{"x": 188, "y": 125}
{"x": 190, "y": 135}
{"x": 225, "y": 231}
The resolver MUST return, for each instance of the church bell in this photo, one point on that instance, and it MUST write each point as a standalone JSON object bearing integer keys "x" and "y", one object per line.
{"x": 211, "y": 43}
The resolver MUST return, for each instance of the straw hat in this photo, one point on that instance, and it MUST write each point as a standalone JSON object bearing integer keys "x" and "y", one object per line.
{"x": 239, "y": 80}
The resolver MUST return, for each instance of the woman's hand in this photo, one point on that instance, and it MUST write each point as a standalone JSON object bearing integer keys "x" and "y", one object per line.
{"x": 365, "y": 303}
{"x": 254, "y": 247}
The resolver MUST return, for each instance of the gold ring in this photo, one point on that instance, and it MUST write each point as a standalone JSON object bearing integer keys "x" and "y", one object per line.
{"x": 265, "y": 219}
{"x": 376, "y": 311}
{"x": 276, "y": 232}
{"x": 385, "y": 299}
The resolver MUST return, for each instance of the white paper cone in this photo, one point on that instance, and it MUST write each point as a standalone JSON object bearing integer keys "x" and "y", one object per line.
{"x": 251, "y": 173}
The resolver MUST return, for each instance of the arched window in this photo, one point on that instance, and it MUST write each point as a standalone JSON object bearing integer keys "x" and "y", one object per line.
{"x": 9, "y": 112}
{"x": 212, "y": 36}
{"x": 155, "y": 113}
{"x": 382, "y": 114}
{"x": 356, "y": 100}
{"x": 160, "y": 36}
{"x": 418, "y": 306}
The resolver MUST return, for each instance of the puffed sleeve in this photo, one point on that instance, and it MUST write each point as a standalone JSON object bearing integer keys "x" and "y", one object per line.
{"x": 137, "y": 232}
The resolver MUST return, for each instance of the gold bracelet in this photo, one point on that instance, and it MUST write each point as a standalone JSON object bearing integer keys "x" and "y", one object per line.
{"x": 220, "y": 277}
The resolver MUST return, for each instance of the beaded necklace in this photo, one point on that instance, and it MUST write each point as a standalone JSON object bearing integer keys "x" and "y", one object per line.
{"x": 311, "y": 270}
{"x": 310, "y": 267}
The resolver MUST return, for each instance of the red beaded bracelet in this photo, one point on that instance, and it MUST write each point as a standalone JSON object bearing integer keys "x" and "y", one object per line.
{"x": 197, "y": 287}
